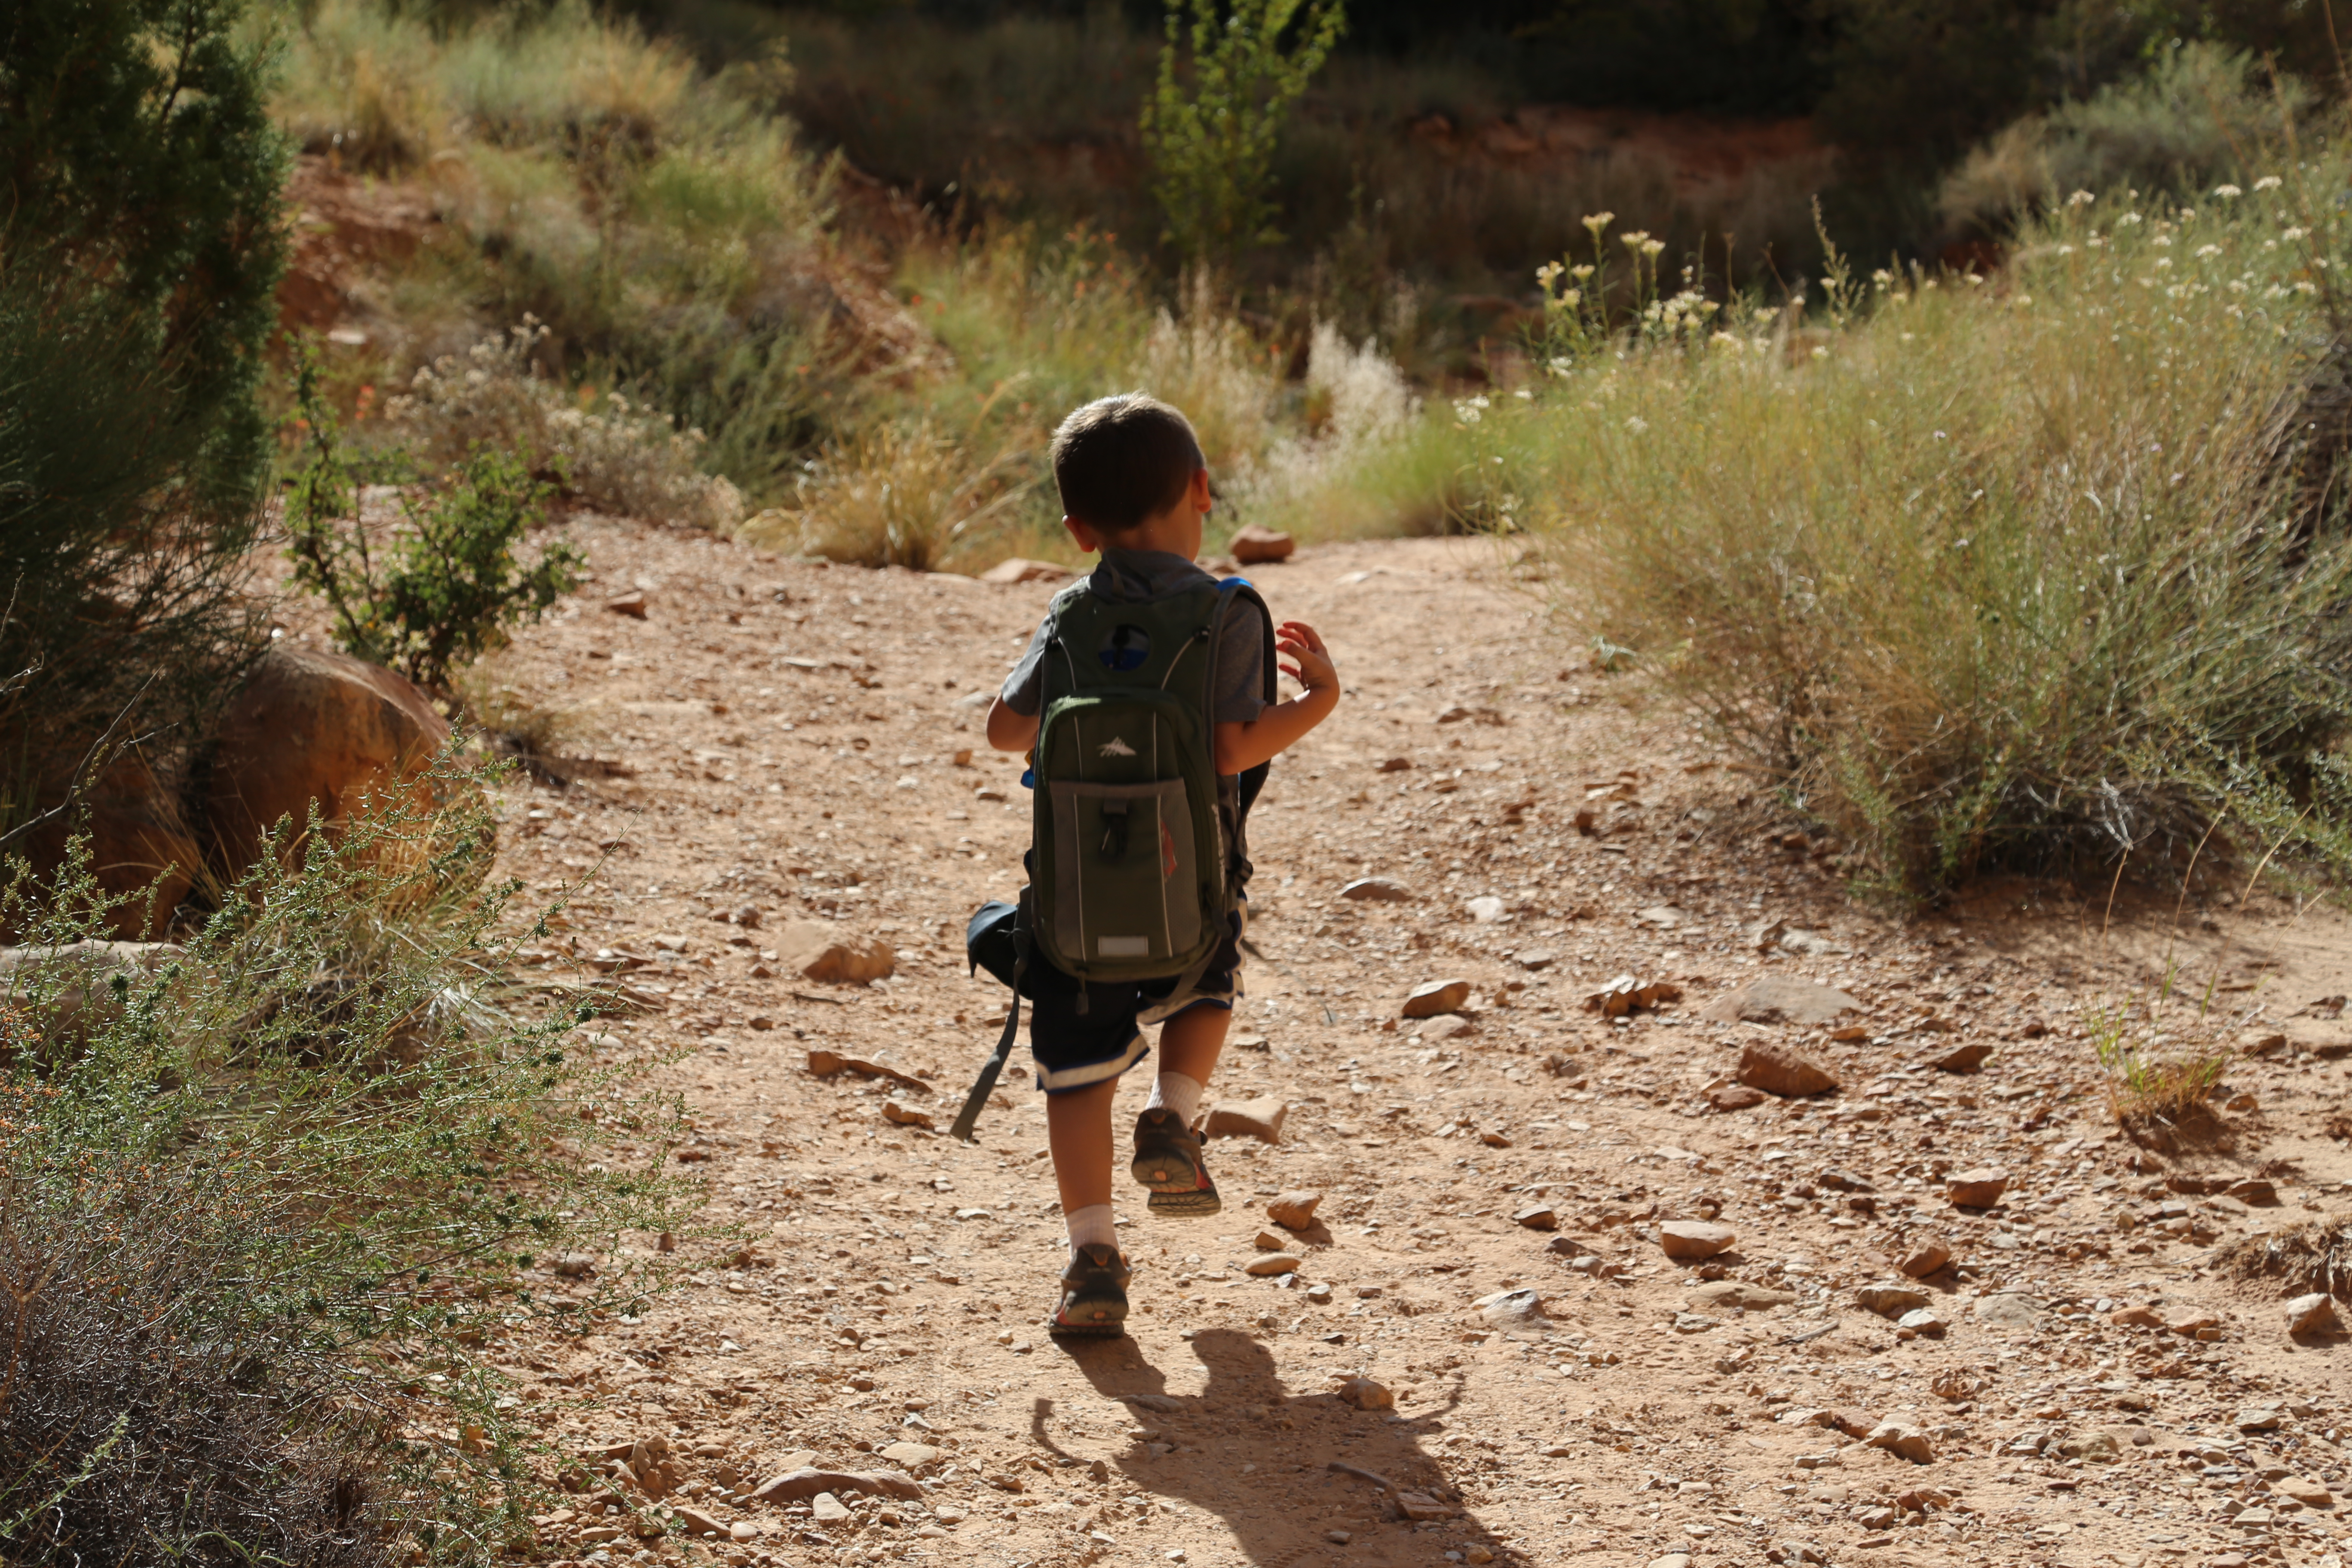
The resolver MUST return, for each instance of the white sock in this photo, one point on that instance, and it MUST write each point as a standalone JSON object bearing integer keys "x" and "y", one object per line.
{"x": 1176, "y": 1092}
{"x": 1092, "y": 1226}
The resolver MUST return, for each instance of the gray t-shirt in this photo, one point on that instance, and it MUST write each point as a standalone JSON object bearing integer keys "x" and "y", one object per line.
{"x": 1137, "y": 576}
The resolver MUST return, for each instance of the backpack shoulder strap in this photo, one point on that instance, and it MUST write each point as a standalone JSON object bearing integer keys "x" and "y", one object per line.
{"x": 1231, "y": 592}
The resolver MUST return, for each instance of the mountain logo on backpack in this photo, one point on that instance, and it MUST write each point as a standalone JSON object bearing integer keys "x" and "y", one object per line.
{"x": 1114, "y": 747}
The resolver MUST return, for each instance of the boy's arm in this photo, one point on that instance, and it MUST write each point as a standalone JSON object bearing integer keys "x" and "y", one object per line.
{"x": 1008, "y": 730}
{"x": 1244, "y": 746}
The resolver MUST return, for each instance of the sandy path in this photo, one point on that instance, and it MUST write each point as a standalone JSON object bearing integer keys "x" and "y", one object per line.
{"x": 792, "y": 732}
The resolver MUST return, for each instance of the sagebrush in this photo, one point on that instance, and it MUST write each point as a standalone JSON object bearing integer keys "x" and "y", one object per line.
{"x": 326, "y": 1136}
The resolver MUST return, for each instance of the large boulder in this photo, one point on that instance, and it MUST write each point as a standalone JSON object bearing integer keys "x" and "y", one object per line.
{"x": 142, "y": 854}
{"x": 312, "y": 726}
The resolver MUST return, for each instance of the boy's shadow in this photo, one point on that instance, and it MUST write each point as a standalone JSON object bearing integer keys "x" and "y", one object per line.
{"x": 1260, "y": 1458}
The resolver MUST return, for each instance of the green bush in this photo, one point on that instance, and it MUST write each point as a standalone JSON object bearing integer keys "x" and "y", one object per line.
{"x": 1212, "y": 138}
{"x": 450, "y": 585}
{"x": 610, "y": 454}
{"x": 149, "y": 1410}
{"x": 2034, "y": 573}
{"x": 660, "y": 223}
{"x": 139, "y": 151}
{"x": 2181, "y": 126}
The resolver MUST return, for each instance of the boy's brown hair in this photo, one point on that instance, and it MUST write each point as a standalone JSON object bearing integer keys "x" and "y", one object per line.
{"x": 1120, "y": 459}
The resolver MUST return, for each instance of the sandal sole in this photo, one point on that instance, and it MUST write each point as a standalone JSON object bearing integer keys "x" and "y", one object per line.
{"x": 1088, "y": 1331}
{"x": 1187, "y": 1204}
{"x": 1106, "y": 1326}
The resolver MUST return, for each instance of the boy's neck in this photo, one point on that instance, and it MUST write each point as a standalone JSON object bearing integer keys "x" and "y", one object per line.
{"x": 1165, "y": 535}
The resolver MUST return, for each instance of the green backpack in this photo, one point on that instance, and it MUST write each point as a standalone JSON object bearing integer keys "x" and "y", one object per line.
{"x": 1138, "y": 856}
{"x": 1138, "y": 843}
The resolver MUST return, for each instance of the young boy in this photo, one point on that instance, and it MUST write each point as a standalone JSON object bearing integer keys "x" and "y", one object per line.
{"x": 1135, "y": 487}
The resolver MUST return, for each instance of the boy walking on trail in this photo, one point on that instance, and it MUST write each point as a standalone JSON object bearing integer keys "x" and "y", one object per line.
{"x": 1146, "y": 699}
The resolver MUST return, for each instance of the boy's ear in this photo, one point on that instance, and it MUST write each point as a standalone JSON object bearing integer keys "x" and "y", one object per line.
{"x": 1200, "y": 491}
{"x": 1083, "y": 534}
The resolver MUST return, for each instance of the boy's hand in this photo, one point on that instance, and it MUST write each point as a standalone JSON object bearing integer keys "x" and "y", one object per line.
{"x": 1311, "y": 662}
{"x": 1302, "y": 657}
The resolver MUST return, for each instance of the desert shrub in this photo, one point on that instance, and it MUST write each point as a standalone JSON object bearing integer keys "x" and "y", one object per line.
{"x": 303, "y": 1158}
{"x": 1036, "y": 327}
{"x": 140, "y": 156}
{"x": 139, "y": 253}
{"x": 2020, "y": 574}
{"x": 2180, "y": 126}
{"x": 446, "y": 586}
{"x": 1357, "y": 409}
{"x": 612, "y": 455}
{"x": 151, "y": 1413}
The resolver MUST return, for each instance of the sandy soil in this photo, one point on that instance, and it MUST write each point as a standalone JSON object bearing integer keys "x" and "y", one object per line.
{"x": 794, "y": 734}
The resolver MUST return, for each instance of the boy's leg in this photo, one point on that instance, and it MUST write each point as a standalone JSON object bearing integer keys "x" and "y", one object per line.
{"x": 1190, "y": 1044}
{"x": 1094, "y": 1283}
{"x": 1078, "y": 1126}
{"x": 1167, "y": 1151}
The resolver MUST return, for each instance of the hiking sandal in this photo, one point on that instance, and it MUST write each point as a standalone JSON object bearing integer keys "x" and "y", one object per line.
{"x": 1167, "y": 1160}
{"x": 1094, "y": 1293}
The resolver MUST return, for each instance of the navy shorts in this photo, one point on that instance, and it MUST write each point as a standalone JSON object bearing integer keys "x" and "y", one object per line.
{"x": 1080, "y": 1049}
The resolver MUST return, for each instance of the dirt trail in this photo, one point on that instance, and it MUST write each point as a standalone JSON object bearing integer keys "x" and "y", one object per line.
{"x": 792, "y": 732}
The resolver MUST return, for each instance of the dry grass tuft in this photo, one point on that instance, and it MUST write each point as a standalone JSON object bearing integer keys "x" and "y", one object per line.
{"x": 899, "y": 495}
{"x": 2009, "y": 574}
{"x": 2160, "y": 1085}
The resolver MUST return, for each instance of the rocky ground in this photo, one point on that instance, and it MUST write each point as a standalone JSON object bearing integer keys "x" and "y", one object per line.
{"x": 1572, "y": 1290}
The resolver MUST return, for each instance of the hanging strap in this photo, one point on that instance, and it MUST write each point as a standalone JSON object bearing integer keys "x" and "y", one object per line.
{"x": 982, "y": 1086}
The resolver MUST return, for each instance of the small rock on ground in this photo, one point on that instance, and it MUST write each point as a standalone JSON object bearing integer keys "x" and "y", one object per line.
{"x": 1261, "y": 1117}
{"x": 1924, "y": 1258}
{"x": 1294, "y": 1210}
{"x": 1721, "y": 1295}
{"x": 2311, "y": 1314}
{"x": 1253, "y": 544}
{"x": 1980, "y": 1188}
{"x": 1776, "y": 1070}
{"x": 1778, "y": 999}
{"x": 1695, "y": 1238}
{"x": 1436, "y": 997}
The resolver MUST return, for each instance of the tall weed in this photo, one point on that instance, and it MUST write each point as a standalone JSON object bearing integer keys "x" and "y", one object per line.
{"x": 2020, "y": 573}
{"x": 609, "y": 453}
